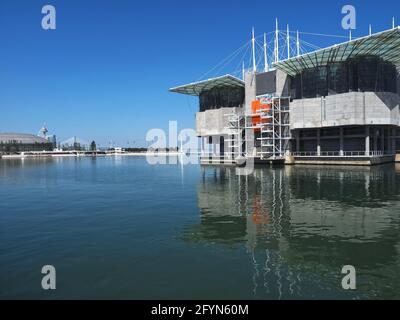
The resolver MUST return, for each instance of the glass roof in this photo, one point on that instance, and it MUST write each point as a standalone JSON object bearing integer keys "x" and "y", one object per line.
{"x": 195, "y": 88}
{"x": 384, "y": 44}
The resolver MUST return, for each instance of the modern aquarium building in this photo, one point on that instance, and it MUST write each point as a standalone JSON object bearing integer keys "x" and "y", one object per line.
{"x": 337, "y": 105}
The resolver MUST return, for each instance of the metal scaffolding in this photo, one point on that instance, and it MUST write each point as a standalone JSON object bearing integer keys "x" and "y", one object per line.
{"x": 235, "y": 141}
{"x": 272, "y": 140}
{"x": 274, "y": 127}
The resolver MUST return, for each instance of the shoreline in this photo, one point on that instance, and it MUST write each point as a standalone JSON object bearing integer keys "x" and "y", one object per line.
{"x": 87, "y": 154}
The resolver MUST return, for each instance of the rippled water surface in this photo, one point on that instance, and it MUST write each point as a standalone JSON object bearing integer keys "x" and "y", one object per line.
{"x": 120, "y": 228}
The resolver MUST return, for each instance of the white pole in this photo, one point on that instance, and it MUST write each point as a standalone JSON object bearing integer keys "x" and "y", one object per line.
{"x": 288, "y": 41}
{"x": 253, "y": 41}
{"x": 393, "y": 24}
{"x": 298, "y": 43}
{"x": 276, "y": 41}
{"x": 370, "y": 30}
{"x": 350, "y": 37}
{"x": 243, "y": 70}
{"x": 265, "y": 53}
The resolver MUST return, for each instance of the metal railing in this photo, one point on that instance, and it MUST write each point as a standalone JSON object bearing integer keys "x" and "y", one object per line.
{"x": 338, "y": 154}
{"x": 216, "y": 156}
{"x": 217, "y": 159}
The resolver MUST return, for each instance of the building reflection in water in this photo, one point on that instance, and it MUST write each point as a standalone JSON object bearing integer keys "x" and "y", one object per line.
{"x": 301, "y": 224}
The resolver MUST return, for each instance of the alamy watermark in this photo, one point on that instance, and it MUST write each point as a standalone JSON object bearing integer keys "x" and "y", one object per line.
{"x": 192, "y": 148}
{"x": 49, "y": 19}
{"x": 49, "y": 280}
{"x": 349, "y": 280}
{"x": 349, "y": 21}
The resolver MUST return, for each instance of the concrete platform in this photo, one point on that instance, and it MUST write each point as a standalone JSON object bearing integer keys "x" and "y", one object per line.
{"x": 356, "y": 161}
{"x": 290, "y": 160}
{"x": 213, "y": 161}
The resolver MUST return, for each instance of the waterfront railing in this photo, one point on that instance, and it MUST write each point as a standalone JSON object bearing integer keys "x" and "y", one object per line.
{"x": 339, "y": 154}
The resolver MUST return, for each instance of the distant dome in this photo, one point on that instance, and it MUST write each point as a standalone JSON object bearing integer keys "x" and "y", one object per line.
{"x": 22, "y": 138}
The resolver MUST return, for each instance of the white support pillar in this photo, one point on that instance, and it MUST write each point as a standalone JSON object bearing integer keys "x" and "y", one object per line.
{"x": 318, "y": 142}
{"x": 253, "y": 41}
{"x": 288, "y": 41}
{"x": 367, "y": 141}
{"x": 276, "y": 41}
{"x": 216, "y": 145}
{"x": 266, "y": 67}
{"x": 341, "y": 142}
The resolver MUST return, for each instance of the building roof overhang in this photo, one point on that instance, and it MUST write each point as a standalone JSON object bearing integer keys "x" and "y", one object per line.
{"x": 196, "y": 88}
{"x": 385, "y": 44}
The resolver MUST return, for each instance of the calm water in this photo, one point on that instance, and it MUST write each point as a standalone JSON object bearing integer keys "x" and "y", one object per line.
{"x": 122, "y": 229}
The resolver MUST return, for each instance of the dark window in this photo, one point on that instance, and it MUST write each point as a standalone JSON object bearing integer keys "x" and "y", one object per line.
{"x": 221, "y": 97}
{"x": 266, "y": 83}
{"x": 330, "y": 132}
{"x": 348, "y": 131}
{"x": 363, "y": 73}
{"x": 308, "y": 133}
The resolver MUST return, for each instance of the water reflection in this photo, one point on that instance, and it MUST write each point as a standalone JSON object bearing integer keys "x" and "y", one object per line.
{"x": 300, "y": 225}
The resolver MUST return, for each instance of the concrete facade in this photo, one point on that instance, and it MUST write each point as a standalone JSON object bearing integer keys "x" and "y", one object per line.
{"x": 282, "y": 84}
{"x": 250, "y": 95}
{"x": 250, "y": 90}
{"x": 214, "y": 122}
{"x": 353, "y": 108}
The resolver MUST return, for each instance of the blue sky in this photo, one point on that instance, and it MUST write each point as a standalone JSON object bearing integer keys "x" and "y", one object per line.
{"x": 104, "y": 73}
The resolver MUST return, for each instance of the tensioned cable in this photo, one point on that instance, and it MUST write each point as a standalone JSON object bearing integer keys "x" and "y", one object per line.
{"x": 310, "y": 45}
{"x": 238, "y": 69}
{"x": 228, "y": 62}
{"x": 261, "y": 56}
{"x": 223, "y": 61}
{"x": 321, "y": 34}
{"x": 271, "y": 50}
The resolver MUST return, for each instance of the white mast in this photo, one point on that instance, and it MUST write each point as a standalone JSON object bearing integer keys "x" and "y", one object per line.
{"x": 253, "y": 41}
{"x": 350, "y": 37}
{"x": 276, "y": 41}
{"x": 265, "y": 54}
{"x": 298, "y": 43}
{"x": 393, "y": 24}
{"x": 370, "y": 29}
{"x": 243, "y": 69}
{"x": 288, "y": 41}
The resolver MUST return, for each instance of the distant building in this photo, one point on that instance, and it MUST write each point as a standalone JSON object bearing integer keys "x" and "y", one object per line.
{"x": 22, "y": 142}
{"x": 43, "y": 133}
{"x": 52, "y": 139}
{"x": 75, "y": 144}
